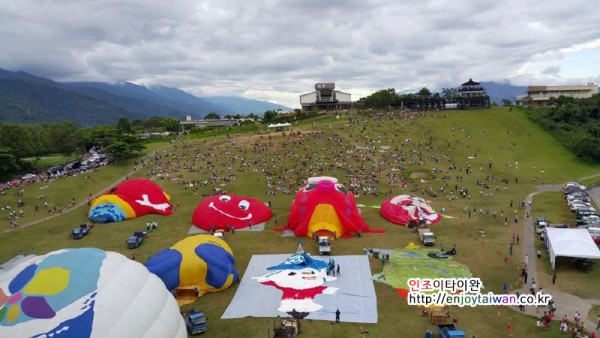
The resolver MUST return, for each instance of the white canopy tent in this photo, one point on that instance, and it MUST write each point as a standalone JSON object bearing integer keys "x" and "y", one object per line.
{"x": 576, "y": 243}
{"x": 280, "y": 126}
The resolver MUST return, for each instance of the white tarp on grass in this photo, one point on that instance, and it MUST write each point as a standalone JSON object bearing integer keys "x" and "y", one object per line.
{"x": 355, "y": 297}
{"x": 577, "y": 243}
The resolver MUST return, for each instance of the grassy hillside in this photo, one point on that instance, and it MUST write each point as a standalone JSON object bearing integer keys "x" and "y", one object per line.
{"x": 498, "y": 148}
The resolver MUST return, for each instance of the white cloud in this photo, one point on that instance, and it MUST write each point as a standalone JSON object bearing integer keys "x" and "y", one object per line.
{"x": 275, "y": 50}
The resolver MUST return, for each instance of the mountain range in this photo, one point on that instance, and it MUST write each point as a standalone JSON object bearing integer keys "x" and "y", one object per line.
{"x": 498, "y": 91}
{"x": 26, "y": 98}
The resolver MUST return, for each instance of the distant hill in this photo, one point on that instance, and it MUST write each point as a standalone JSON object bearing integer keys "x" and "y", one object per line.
{"x": 498, "y": 91}
{"x": 245, "y": 106}
{"x": 147, "y": 101}
{"x": 26, "y": 98}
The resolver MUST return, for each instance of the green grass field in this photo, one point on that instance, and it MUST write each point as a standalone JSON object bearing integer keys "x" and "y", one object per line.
{"x": 521, "y": 156}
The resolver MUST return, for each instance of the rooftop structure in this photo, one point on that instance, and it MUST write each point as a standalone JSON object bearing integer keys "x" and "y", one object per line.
{"x": 539, "y": 96}
{"x": 325, "y": 97}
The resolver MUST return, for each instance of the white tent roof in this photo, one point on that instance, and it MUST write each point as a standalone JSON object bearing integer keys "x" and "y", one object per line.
{"x": 279, "y": 125}
{"x": 570, "y": 243}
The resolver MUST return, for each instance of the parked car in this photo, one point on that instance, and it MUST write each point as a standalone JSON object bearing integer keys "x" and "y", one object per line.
{"x": 589, "y": 225}
{"x": 539, "y": 227}
{"x": 28, "y": 177}
{"x": 572, "y": 189}
{"x": 580, "y": 206}
{"x": 54, "y": 170}
{"x": 579, "y": 201}
{"x": 581, "y": 213}
{"x": 584, "y": 208}
{"x": 575, "y": 184}
{"x": 577, "y": 197}
{"x": 590, "y": 218}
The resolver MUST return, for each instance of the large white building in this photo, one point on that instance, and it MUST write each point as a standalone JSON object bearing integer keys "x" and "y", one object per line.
{"x": 539, "y": 96}
{"x": 325, "y": 97}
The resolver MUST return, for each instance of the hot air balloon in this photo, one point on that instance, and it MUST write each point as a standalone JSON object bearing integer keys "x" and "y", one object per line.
{"x": 130, "y": 199}
{"x": 85, "y": 293}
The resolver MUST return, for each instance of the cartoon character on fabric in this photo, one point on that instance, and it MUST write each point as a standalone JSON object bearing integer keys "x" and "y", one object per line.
{"x": 325, "y": 208}
{"x": 223, "y": 211}
{"x": 403, "y": 209}
{"x": 300, "y": 278}
{"x": 130, "y": 199}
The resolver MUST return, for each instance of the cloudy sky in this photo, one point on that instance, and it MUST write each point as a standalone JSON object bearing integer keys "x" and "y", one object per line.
{"x": 276, "y": 50}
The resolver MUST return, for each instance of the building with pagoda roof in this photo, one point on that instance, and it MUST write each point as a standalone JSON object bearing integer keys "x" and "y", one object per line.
{"x": 472, "y": 96}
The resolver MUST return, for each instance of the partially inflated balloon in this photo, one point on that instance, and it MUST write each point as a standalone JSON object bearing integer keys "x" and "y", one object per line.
{"x": 202, "y": 261}
{"x": 130, "y": 199}
{"x": 403, "y": 209}
{"x": 325, "y": 208}
{"x": 85, "y": 293}
{"x": 222, "y": 211}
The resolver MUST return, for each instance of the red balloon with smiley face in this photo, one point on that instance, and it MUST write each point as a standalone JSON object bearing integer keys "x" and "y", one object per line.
{"x": 222, "y": 211}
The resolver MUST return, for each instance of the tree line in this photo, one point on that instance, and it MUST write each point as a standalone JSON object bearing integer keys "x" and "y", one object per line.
{"x": 574, "y": 122}
{"x": 21, "y": 141}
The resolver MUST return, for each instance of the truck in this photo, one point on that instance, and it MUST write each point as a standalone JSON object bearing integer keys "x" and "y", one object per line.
{"x": 427, "y": 237}
{"x": 135, "y": 240}
{"x": 195, "y": 322}
{"x": 324, "y": 245}
{"x": 80, "y": 231}
{"x": 449, "y": 331}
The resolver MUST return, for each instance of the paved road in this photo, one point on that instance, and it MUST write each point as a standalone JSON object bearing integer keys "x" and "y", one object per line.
{"x": 564, "y": 302}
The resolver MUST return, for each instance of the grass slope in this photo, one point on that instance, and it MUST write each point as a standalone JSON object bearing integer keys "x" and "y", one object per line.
{"x": 345, "y": 147}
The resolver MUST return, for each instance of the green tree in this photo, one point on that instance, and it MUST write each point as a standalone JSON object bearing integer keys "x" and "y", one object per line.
{"x": 170, "y": 124}
{"x": 133, "y": 141}
{"x": 506, "y": 103}
{"x": 98, "y": 136}
{"x": 62, "y": 138}
{"x": 124, "y": 127}
{"x": 269, "y": 115}
{"x": 588, "y": 148}
{"x": 450, "y": 93}
{"x": 212, "y": 116}
{"x": 17, "y": 140}
{"x": 8, "y": 165}
{"x": 424, "y": 92}
{"x": 384, "y": 98}
{"x": 119, "y": 149}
